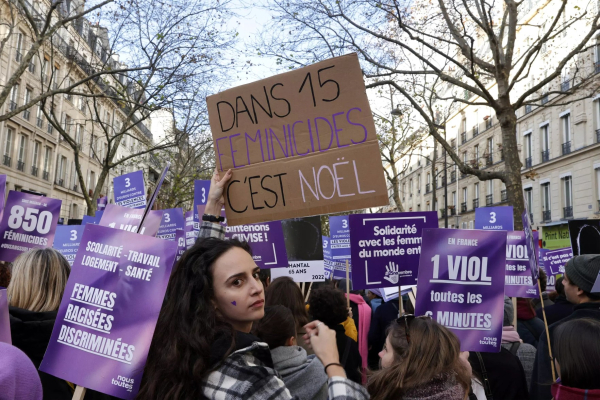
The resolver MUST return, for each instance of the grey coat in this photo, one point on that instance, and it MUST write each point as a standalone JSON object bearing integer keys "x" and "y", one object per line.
{"x": 303, "y": 375}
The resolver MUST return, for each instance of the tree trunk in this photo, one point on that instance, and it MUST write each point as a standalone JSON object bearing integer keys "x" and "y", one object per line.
{"x": 512, "y": 180}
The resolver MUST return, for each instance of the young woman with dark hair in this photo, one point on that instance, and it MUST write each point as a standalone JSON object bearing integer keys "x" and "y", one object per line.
{"x": 202, "y": 346}
{"x": 577, "y": 356}
{"x": 420, "y": 360}
{"x": 285, "y": 292}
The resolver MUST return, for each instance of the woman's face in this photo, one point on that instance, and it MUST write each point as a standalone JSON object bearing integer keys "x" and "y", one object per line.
{"x": 387, "y": 354}
{"x": 239, "y": 294}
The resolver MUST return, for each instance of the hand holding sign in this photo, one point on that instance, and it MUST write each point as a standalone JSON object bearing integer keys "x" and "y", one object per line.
{"x": 215, "y": 200}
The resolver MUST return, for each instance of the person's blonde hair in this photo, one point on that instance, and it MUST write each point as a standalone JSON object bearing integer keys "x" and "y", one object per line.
{"x": 38, "y": 280}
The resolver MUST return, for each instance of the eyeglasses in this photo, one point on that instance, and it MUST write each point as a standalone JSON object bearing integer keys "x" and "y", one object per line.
{"x": 408, "y": 319}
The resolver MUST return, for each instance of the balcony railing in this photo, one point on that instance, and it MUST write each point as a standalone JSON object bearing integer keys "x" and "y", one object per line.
{"x": 7, "y": 160}
{"x": 40, "y": 123}
{"x": 568, "y": 212}
{"x": 475, "y": 203}
{"x": 565, "y": 86}
{"x": 545, "y": 155}
{"x": 453, "y": 176}
{"x": 31, "y": 67}
{"x": 34, "y": 170}
{"x": 488, "y": 123}
{"x": 427, "y": 188}
{"x": 489, "y": 160}
{"x": 451, "y": 210}
{"x": 75, "y": 188}
{"x": 503, "y": 196}
{"x": 26, "y": 114}
{"x": 528, "y": 162}
{"x": 443, "y": 212}
{"x": 544, "y": 99}
{"x": 12, "y": 106}
{"x": 60, "y": 182}
{"x": 463, "y": 207}
{"x": 21, "y": 166}
{"x": 475, "y": 130}
{"x": 546, "y": 216}
{"x": 18, "y": 56}
{"x": 489, "y": 199}
{"x": 597, "y": 135}
{"x": 566, "y": 147}
{"x": 46, "y": 175}
{"x": 463, "y": 138}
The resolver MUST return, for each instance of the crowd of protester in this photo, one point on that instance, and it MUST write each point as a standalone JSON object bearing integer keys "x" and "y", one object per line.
{"x": 226, "y": 331}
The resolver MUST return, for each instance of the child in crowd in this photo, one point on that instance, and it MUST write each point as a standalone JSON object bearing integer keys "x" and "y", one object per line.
{"x": 303, "y": 375}
{"x": 420, "y": 360}
{"x": 577, "y": 357}
{"x": 202, "y": 346}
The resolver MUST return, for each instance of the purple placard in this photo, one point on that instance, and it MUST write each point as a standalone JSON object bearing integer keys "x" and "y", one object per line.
{"x": 2, "y": 192}
{"x": 129, "y": 219}
{"x": 190, "y": 234}
{"x": 553, "y": 262}
{"x": 265, "y": 240}
{"x": 181, "y": 246}
{"x": 494, "y": 218}
{"x": 101, "y": 203}
{"x": 130, "y": 190}
{"x": 339, "y": 233}
{"x": 29, "y": 222}
{"x": 172, "y": 220}
{"x": 4, "y": 318}
{"x": 461, "y": 284}
{"x": 533, "y": 264}
{"x": 385, "y": 248}
{"x": 108, "y": 313}
{"x": 92, "y": 220}
{"x": 518, "y": 276}
{"x": 201, "y": 189}
{"x": 327, "y": 260}
{"x": 67, "y": 239}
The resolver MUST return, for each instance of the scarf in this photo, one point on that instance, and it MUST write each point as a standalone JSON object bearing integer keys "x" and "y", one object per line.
{"x": 364, "y": 323}
{"x": 560, "y": 392}
{"x": 510, "y": 335}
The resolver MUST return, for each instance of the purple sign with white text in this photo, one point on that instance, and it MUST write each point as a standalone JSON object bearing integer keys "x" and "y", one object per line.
{"x": 5, "y": 335}
{"x": 554, "y": 262}
{"x": 533, "y": 264}
{"x": 327, "y": 260}
{"x": 67, "y": 239}
{"x": 108, "y": 313}
{"x": 28, "y": 222}
{"x": 339, "y": 233}
{"x": 461, "y": 284}
{"x": 518, "y": 276}
{"x": 190, "y": 234}
{"x": 92, "y": 220}
{"x": 101, "y": 203}
{"x": 494, "y": 218}
{"x": 386, "y": 248}
{"x": 181, "y": 247}
{"x": 172, "y": 220}
{"x": 265, "y": 240}
{"x": 201, "y": 189}
{"x": 129, "y": 219}
{"x": 130, "y": 190}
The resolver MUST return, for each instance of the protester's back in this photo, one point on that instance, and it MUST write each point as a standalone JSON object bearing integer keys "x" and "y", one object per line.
{"x": 512, "y": 342}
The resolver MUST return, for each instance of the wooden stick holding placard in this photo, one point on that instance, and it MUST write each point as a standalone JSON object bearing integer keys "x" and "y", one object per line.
{"x": 547, "y": 332}
{"x": 412, "y": 298}
{"x": 514, "y": 304}
{"x": 400, "y": 305}
{"x": 347, "y": 284}
{"x": 308, "y": 293}
{"x": 79, "y": 393}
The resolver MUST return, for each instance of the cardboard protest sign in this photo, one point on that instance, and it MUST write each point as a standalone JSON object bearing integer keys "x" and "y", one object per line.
{"x": 5, "y": 335}
{"x": 554, "y": 262}
{"x": 339, "y": 232}
{"x": 201, "y": 189}
{"x": 306, "y": 141}
{"x": 67, "y": 239}
{"x": 92, "y": 220}
{"x": 172, "y": 220}
{"x": 461, "y": 284}
{"x": 101, "y": 203}
{"x": 531, "y": 247}
{"x": 265, "y": 240}
{"x": 327, "y": 260}
{"x": 129, "y": 219}
{"x": 518, "y": 277}
{"x": 494, "y": 218}
{"x": 585, "y": 236}
{"x": 386, "y": 248}
{"x": 28, "y": 222}
{"x": 304, "y": 248}
{"x": 130, "y": 190}
{"x": 108, "y": 313}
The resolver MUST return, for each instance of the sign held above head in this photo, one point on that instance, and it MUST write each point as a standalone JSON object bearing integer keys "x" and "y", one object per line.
{"x": 299, "y": 143}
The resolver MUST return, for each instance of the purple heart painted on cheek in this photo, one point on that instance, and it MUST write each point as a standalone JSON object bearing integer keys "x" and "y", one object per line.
{"x": 234, "y": 303}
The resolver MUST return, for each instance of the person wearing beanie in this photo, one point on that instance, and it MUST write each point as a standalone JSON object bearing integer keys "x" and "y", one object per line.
{"x": 580, "y": 274}
{"x": 19, "y": 380}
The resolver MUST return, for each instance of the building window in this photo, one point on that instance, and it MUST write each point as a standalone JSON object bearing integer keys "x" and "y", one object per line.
{"x": 47, "y": 156}
{"x": 528, "y": 158}
{"x": 22, "y": 152}
{"x": 529, "y": 198}
{"x": 19, "y": 47}
{"x": 598, "y": 187}
{"x": 568, "y": 197}
{"x": 567, "y": 136}
{"x": 8, "y": 145}
{"x": 489, "y": 199}
{"x": 545, "y": 136}
{"x": 546, "y": 216}
{"x": 14, "y": 97}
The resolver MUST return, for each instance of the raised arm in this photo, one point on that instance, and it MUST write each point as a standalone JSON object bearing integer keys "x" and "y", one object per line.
{"x": 214, "y": 204}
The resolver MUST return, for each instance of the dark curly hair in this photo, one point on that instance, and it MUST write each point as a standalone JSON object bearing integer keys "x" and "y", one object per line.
{"x": 188, "y": 324}
{"x": 328, "y": 305}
